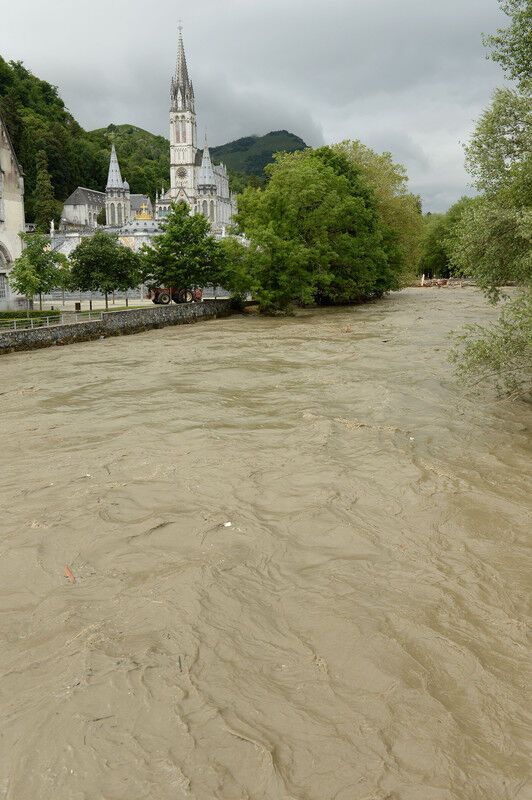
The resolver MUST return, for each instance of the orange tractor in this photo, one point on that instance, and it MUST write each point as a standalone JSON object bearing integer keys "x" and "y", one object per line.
{"x": 162, "y": 296}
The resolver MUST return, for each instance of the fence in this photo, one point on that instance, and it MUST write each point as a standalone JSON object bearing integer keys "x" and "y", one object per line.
{"x": 64, "y": 318}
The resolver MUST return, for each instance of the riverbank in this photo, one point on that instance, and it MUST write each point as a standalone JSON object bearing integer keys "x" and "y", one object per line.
{"x": 112, "y": 323}
{"x": 299, "y": 556}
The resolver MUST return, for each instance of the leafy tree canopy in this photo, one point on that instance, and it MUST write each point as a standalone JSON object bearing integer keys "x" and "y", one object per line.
{"x": 499, "y": 155}
{"x": 438, "y": 231}
{"x": 512, "y": 47}
{"x": 100, "y": 263}
{"x": 399, "y": 209}
{"x": 492, "y": 242}
{"x": 185, "y": 254}
{"x": 315, "y": 233}
{"x": 39, "y": 269}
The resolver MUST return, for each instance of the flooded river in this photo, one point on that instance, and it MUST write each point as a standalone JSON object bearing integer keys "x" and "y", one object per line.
{"x": 299, "y": 560}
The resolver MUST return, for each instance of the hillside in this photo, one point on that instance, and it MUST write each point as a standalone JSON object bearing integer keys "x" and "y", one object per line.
{"x": 251, "y": 154}
{"x": 144, "y": 157}
{"x": 37, "y": 119}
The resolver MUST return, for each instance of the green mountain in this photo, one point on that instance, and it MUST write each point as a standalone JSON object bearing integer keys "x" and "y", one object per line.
{"x": 37, "y": 119}
{"x": 250, "y": 155}
{"x": 144, "y": 157}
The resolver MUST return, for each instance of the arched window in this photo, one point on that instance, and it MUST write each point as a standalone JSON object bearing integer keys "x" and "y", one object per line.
{"x": 212, "y": 211}
{"x": 205, "y": 209}
{"x": 119, "y": 214}
{"x": 183, "y": 130}
{"x": 177, "y": 130}
{"x": 112, "y": 213}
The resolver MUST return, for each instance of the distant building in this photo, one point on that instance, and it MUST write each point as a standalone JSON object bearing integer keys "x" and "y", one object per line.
{"x": 11, "y": 214}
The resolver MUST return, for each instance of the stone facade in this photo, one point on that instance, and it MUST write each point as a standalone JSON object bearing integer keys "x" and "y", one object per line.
{"x": 11, "y": 215}
{"x": 113, "y": 323}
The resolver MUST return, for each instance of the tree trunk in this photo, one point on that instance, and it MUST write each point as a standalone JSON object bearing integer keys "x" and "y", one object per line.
{"x": 40, "y": 301}
{"x": 106, "y": 302}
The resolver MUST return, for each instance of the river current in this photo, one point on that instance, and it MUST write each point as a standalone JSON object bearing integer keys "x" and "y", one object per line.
{"x": 299, "y": 553}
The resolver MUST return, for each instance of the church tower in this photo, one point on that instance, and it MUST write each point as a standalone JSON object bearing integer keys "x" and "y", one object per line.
{"x": 182, "y": 131}
{"x": 117, "y": 195}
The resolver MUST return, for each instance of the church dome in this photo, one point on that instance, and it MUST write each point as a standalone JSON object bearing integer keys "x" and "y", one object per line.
{"x": 126, "y": 186}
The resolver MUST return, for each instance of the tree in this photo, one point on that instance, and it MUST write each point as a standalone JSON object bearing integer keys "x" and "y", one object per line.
{"x": 237, "y": 268}
{"x": 101, "y": 264}
{"x": 493, "y": 239}
{"x": 185, "y": 254}
{"x": 512, "y": 47}
{"x": 501, "y": 354}
{"x": 44, "y": 205}
{"x": 499, "y": 155}
{"x": 101, "y": 219}
{"x": 39, "y": 269}
{"x": 315, "y": 233}
{"x": 399, "y": 209}
{"x": 493, "y": 243}
{"x": 438, "y": 232}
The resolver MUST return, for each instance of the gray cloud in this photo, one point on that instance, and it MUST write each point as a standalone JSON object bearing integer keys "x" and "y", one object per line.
{"x": 409, "y": 76}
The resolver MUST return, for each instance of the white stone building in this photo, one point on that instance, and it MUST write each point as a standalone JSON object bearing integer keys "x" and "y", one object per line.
{"x": 194, "y": 179}
{"x": 11, "y": 215}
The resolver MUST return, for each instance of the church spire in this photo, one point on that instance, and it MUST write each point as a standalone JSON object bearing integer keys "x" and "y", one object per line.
{"x": 206, "y": 173}
{"x": 114, "y": 178}
{"x": 181, "y": 90}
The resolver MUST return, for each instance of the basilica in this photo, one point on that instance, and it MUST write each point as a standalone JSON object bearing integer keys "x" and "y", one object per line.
{"x": 194, "y": 179}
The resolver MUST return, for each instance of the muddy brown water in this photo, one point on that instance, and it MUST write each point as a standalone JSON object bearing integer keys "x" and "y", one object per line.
{"x": 356, "y": 633}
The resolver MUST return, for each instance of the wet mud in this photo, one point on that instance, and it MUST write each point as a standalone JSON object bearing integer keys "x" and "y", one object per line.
{"x": 274, "y": 559}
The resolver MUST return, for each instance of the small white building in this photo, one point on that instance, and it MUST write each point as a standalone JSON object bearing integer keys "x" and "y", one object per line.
{"x": 81, "y": 209}
{"x": 11, "y": 215}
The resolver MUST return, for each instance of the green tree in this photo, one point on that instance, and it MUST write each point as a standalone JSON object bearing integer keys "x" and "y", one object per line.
{"x": 237, "y": 268}
{"x": 101, "y": 264}
{"x": 399, "y": 209}
{"x": 512, "y": 47}
{"x": 39, "y": 269}
{"x": 438, "y": 232}
{"x": 101, "y": 219}
{"x": 499, "y": 155}
{"x": 493, "y": 243}
{"x": 185, "y": 254}
{"x": 44, "y": 205}
{"x": 315, "y": 233}
{"x": 493, "y": 239}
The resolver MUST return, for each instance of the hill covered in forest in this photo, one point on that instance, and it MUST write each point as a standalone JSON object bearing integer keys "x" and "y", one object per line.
{"x": 37, "y": 119}
{"x": 250, "y": 154}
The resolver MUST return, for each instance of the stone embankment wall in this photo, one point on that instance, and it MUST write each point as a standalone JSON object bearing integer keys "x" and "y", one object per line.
{"x": 113, "y": 323}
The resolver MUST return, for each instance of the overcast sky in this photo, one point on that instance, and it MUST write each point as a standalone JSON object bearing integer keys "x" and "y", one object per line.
{"x": 409, "y": 76}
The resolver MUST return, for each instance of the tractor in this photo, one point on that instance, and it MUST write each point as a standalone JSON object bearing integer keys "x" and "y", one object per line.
{"x": 162, "y": 296}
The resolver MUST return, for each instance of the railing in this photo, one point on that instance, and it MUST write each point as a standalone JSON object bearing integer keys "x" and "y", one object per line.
{"x": 64, "y": 318}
